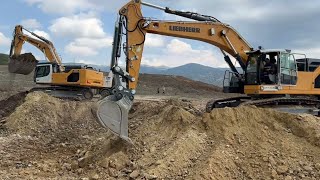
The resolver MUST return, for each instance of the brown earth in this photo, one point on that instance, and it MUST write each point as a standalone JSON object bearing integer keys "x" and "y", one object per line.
{"x": 49, "y": 138}
{"x": 42, "y": 137}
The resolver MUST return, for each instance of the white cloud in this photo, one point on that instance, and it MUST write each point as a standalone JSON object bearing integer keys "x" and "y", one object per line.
{"x": 178, "y": 52}
{"x": 77, "y": 26}
{"x": 4, "y": 41}
{"x": 62, "y": 7}
{"x": 310, "y": 53}
{"x": 85, "y": 32}
{"x": 153, "y": 40}
{"x": 31, "y": 24}
{"x": 95, "y": 43}
{"x": 85, "y": 61}
{"x": 80, "y": 51}
{"x": 84, "y": 47}
{"x": 179, "y": 47}
{"x": 68, "y": 7}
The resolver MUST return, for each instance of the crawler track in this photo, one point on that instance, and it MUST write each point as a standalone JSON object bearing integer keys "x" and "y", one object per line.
{"x": 302, "y": 105}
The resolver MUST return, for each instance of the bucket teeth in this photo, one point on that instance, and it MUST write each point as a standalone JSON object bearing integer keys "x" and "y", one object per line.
{"x": 22, "y": 64}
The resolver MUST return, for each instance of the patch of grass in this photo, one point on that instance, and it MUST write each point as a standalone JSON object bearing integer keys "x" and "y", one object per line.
{"x": 4, "y": 58}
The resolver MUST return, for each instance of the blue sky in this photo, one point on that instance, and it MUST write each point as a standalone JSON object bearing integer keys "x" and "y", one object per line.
{"x": 82, "y": 30}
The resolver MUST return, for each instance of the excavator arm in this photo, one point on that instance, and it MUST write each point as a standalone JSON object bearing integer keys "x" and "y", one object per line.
{"x": 205, "y": 28}
{"x": 25, "y": 63}
{"x": 135, "y": 27}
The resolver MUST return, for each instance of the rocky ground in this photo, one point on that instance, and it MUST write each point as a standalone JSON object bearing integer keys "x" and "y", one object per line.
{"x": 42, "y": 137}
{"x": 49, "y": 138}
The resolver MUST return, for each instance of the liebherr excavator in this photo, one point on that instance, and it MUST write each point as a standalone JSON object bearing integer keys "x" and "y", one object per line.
{"x": 270, "y": 77}
{"x": 65, "y": 81}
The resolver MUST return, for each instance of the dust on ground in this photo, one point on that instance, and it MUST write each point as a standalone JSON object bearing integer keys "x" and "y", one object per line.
{"x": 49, "y": 138}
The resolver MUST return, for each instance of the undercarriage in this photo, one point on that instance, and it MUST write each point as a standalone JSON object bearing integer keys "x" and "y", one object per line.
{"x": 299, "y": 104}
{"x": 67, "y": 92}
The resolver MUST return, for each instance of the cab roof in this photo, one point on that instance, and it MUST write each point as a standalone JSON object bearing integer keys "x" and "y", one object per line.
{"x": 269, "y": 51}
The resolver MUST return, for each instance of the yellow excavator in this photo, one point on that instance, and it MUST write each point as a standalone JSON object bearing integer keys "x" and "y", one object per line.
{"x": 57, "y": 79}
{"x": 275, "y": 78}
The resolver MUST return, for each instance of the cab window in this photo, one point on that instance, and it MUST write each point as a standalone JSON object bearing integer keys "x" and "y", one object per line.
{"x": 42, "y": 71}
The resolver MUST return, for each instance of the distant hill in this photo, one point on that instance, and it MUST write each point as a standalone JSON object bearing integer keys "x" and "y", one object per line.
{"x": 4, "y": 58}
{"x": 174, "y": 85}
{"x": 198, "y": 72}
{"x": 192, "y": 71}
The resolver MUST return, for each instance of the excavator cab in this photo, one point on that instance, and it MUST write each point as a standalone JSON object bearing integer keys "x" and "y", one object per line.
{"x": 264, "y": 67}
{"x": 271, "y": 67}
{"x": 43, "y": 72}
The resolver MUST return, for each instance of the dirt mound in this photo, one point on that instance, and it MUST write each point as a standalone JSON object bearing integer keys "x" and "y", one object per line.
{"x": 258, "y": 143}
{"x": 52, "y": 138}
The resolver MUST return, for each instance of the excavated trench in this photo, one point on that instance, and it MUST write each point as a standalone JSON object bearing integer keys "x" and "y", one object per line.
{"x": 8, "y": 106}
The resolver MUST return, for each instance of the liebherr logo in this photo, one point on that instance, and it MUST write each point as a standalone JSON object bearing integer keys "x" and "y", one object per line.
{"x": 184, "y": 29}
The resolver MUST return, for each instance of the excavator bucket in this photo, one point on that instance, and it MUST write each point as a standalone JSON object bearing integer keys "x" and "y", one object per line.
{"x": 22, "y": 64}
{"x": 113, "y": 114}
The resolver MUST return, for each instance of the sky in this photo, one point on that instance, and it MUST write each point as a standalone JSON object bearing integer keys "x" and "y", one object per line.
{"x": 82, "y": 30}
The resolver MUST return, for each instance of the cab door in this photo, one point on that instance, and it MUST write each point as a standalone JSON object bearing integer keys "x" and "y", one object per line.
{"x": 288, "y": 74}
{"x": 43, "y": 74}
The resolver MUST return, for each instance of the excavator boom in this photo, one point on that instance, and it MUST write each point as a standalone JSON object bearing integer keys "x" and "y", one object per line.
{"x": 25, "y": 63}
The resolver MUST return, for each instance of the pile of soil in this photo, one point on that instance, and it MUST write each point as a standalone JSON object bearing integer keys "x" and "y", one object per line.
{"x": 53, "y": 138}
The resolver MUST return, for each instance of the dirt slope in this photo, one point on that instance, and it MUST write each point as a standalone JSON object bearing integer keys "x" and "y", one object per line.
{"x": 48, "y": 138}
{"x": 174, "y": 85}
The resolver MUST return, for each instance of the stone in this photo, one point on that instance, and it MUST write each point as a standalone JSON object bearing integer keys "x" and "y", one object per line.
{"x": 112, "y": 164}
{"x": 317, "y": 166}
{"x": 113, "y": 172}
{"x": 288, "y": 178}
{"x": 301, "y": 175}
{"x": 308, "y": 168}
{"x": 274, "y": 173}
{"x": 80, "y": 171}
{"x": 272, "y": 161}
{"x": 282, "y": 169}
{"x": 153, "y": 149}
{"x": 74, "y": 165}
{"x": 94, "y": 177}
{"x": 83, "y": 161}
{"x": 265, "y": 159}
{"x": 157, "y": 163}
{"x": 151, "y": 177}
{"x": 67, "y": 166}
{"x": 127, "y": 171}
{"x": 134, "y": 174}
